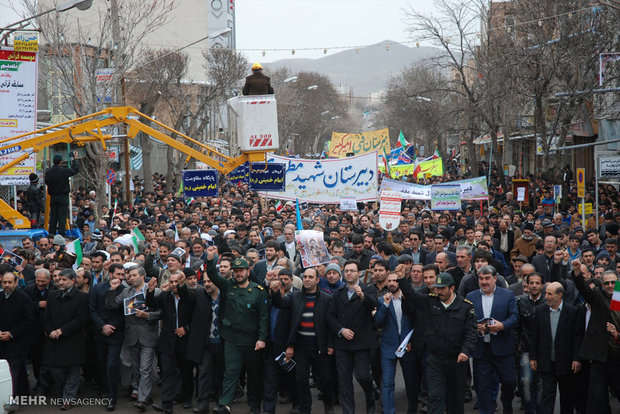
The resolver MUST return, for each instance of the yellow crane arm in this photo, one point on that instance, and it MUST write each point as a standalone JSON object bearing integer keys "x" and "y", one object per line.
{"x": 89, "y": 128}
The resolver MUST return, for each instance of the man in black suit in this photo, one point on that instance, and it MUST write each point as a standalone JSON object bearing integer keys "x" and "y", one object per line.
{"x": 309, "y": 339}
{"x": 16, "y": 317}
{"x": 350, "y": 320}
{"x": 554, "y": 351}
{"x": 204, "y": 345}
{"x": 261, "y": 268}
{"x": 505, "y": 239}
{"x": 176, "y": 305}
{"x": 359, "y": 253}
{"x": 289, "y": 245}
{"x": 38, "y": 293}
{"x": 598, "y": 346}
{"x": 108, "y": 326}
{"x": 275, "y": 378}
{"x": 65, "y": 320}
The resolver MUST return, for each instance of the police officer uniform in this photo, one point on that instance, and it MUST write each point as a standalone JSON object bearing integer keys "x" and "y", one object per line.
{"x": 245, "y": 320}
{"x": 448, "y": 331}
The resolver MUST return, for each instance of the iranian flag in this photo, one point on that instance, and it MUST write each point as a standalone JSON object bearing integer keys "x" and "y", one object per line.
{"x": 615, "y": 299}
{"x": 436, "y": 155}
{"x": 279, "y": 205}
{"x": 75, "y": 248}
{"x": 387, "y": 164}
{"x": 136, "y": 232}
{"x": 416, "y": 168}
{"x": 402, "y": 142}
{"x": 133, "y": 242}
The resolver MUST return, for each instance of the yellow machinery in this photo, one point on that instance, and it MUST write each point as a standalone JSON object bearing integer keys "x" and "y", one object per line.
{"x": 88, "y": 129}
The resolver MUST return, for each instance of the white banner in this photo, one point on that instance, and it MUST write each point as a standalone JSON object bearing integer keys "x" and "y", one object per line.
{"x": 328, "y": 181}
{"x": 446, "y": 197}
{"x": 471, "y": 189}
{"x": 18, "y": 111}
{"x": 389, "y": 211}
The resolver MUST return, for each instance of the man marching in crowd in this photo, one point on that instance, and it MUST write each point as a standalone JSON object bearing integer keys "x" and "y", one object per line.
{"x": 205, "y": 295}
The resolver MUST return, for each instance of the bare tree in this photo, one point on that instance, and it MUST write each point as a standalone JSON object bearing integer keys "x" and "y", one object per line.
{"x": 75, "y": 52}
{"x": 309, "y": 109}
{"x": 158, "y": 76}
{"x": 477, "y": 74}
{"x": 419, "y": 103}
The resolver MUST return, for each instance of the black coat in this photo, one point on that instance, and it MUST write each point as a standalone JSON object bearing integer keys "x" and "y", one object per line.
{"x": 102, "y": 316}
{"x": 354, "y": 314}
{"x": 57, "y": 179}
{"x": 595, "y": 345}
{"x": 169, "y": 342}
{"x": 16, "y": 316}
{"x": 37, "y": 333}
{"x": 296, "y": 303}
{"x": 257, "y": 84}
{"x": 568, "y": 339}
{"x": 35, "y": 200}
{"x": 200, "y": 328}
{"x": 70, "y": 315}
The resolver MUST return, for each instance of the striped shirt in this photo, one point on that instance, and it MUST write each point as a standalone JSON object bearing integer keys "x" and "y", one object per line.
{"x": 306, "y": 325}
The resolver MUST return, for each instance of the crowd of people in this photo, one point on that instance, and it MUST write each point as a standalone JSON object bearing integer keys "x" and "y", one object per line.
{"x": 215, "y": 303}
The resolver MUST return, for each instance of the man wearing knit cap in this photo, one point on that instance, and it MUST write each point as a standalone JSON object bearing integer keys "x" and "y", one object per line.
{"x": 57, "y": 181}
{"x": 35, "y": 201}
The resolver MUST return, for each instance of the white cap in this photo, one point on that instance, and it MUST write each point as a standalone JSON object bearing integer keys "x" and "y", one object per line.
{"x": 227, "y": 232}
{"x": 206, "y": 237}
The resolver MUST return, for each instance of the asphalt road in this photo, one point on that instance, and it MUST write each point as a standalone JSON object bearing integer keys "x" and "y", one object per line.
{"x": 126, "y": 406}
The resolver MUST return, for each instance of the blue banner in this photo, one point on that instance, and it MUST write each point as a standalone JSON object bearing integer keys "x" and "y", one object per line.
{"x": 200, "y": 183}
{"x": 240, "y": 174}
{"x": 270, "y": 179}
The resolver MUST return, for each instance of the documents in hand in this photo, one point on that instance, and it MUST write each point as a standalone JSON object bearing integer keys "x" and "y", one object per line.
{"x": 134, "y": 304}
{"x": 402, "y": 348}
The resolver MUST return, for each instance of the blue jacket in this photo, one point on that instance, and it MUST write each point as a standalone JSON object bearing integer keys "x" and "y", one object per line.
{"x": 504, "y": 310}
{"x": 385, "y": 317}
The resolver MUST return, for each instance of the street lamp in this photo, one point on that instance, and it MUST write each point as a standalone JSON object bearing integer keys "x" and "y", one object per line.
{"x": 68, "y": 5}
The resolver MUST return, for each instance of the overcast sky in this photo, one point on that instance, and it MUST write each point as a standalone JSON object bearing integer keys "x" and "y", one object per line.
{"x": 297, "y": 24}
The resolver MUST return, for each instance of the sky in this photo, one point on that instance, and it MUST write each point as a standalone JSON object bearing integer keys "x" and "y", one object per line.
{"x": 298, "y": 24}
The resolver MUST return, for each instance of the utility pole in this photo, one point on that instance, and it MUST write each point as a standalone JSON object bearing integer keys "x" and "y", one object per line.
{"x": 119, "y": 96}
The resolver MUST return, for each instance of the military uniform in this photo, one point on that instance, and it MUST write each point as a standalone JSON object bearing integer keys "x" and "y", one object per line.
{"x": 244, "y": 321}
{"x": 448, "y": 332}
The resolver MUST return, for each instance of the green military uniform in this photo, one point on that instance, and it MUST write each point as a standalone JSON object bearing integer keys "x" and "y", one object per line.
{"x": 244, "y": 321}
{"x": 448, "y": 332}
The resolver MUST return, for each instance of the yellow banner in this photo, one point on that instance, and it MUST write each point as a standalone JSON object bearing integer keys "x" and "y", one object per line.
{"x": 427, "y": 169}
{"x": 343, "y": 143}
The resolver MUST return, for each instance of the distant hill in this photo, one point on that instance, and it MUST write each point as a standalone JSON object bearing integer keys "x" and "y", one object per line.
{"x": 366, "y": 70}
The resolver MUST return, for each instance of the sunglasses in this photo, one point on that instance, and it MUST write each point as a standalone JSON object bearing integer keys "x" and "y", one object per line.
{"x": 610, "y": 282}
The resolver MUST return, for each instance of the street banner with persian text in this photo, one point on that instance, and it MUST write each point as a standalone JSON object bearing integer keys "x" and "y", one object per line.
{"x": 470, "y": 189}
{"x": 200, "y": 183}
{"x": 328, "y": 181}
{"x": 389, "y": 211}
{"x": 267, "y": 178}
{"x": 18, "y": 111}
{"x": 364, "y": 143}
{"x": 446, "y": 197}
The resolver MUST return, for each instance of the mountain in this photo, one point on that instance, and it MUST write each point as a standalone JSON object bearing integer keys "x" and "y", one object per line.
{"x": 367, "y": 70}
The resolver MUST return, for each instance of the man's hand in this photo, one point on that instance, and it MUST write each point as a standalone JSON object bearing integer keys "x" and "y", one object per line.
{"x": 274, "y": 285}
{"x": 534, "y": 365}
{"x": 358, "y": 291}
{"x": 330, "y": 351}
{"x": 152, "y": 284}
{"x": 271, "y": 276}
{"x": 347, "y": 334}
{"x": 481, "y": 327}
{"x": 108, "y": 329}
{"x": 180, "y": 332}
{"x": 611, "y": 328}
{"x": 558, "y": 256}
{"x": 387, "y": 298}
{"x": 290, "y": 351}
{"x": 165, "y": 286}
{"x": 462, "y": 358}
{"x": 496, "y": 327}
{"x": 259, "y": 345}
{"x": 576, "y": 366}
{"x": 55, "y": 334}
{"x": 114, "y": 283}
{"x": 142, "y": 314}
{"x": 211, "y": 250}
{"x": 42, "y": 303}
{"x": 576, "y": 267}
{"x": 400, "y": 270}
{"x": 5, "y": 336}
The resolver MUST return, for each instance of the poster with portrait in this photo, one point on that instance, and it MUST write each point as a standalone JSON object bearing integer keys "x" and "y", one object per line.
{"x": 312, "y": 247}
{"x": 133, "y": 304}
